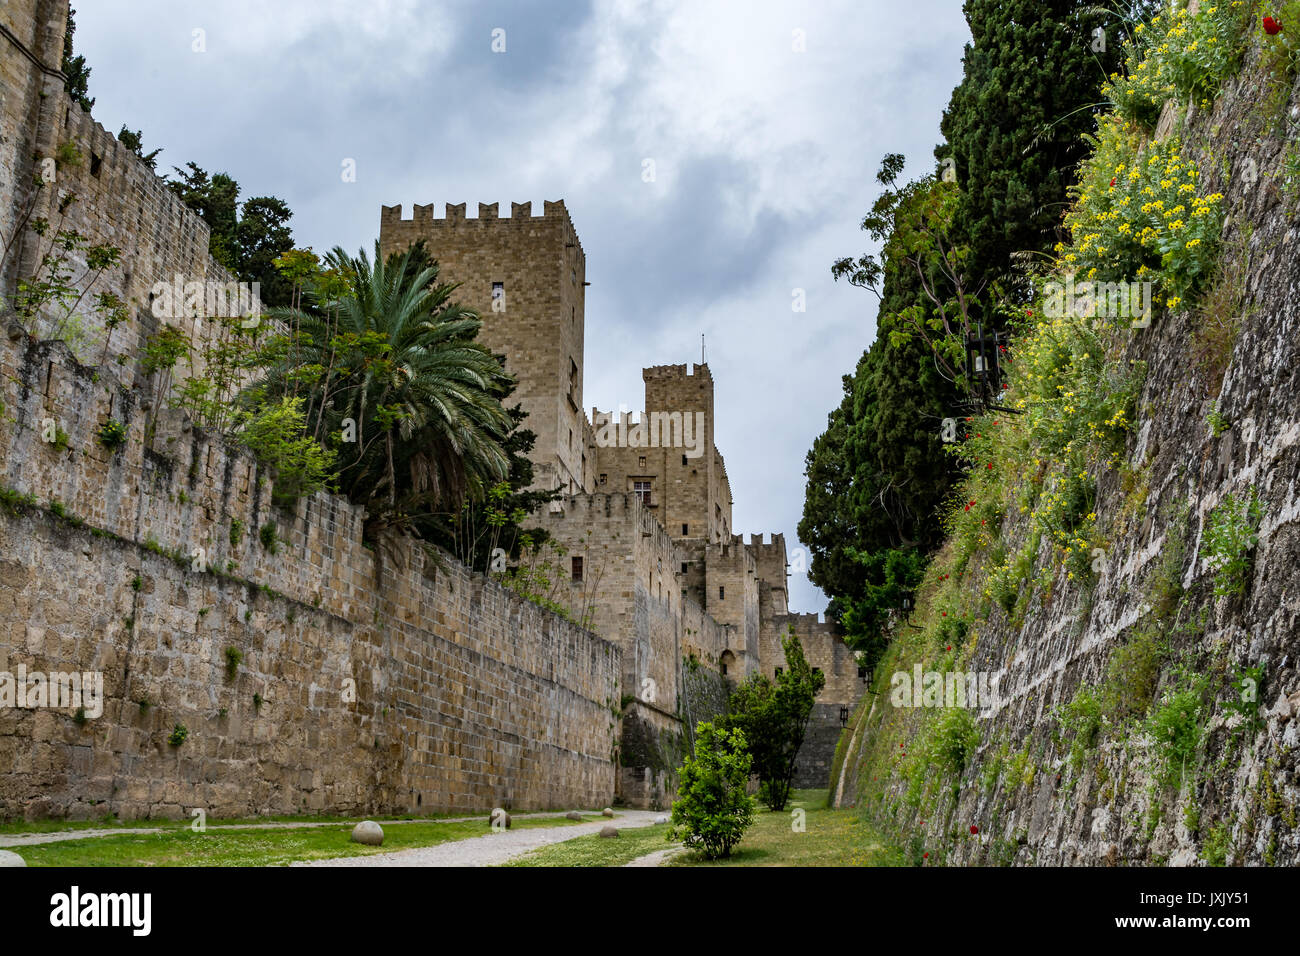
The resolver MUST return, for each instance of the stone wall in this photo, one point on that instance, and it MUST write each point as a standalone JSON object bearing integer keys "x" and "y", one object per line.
{"x": 364, "y": 686}
{"x": 1110, "y": 804}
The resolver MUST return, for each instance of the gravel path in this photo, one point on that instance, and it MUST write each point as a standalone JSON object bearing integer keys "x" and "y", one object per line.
{"x": 491, "y": 848}
{"x": 657, "y": 857}
{"x": 32, "y": 839}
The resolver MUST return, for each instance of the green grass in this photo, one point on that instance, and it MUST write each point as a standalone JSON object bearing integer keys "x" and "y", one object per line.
{"x": 596, "y": 851}
{"x": 112, "y": 823}
{"x": 830, "y": 838}
{"x": 183, "y": 847}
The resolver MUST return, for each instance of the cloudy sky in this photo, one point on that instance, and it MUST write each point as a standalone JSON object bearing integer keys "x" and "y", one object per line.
{"x": 763, "y": 158}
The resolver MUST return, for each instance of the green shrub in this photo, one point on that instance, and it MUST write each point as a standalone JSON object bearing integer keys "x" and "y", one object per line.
{"x": 1175, "y": 726}
{"x": 1231, "y": 534}
{"x": 1081, "y": 719}
{"x": 267, "y": 535}
{"x": 178, "y": 735}
{"x": 112, "y": 434}
{"x": 1132, "y": 674}
{"x": 713, "y": 810}
{"x": 953, "y": 740}
{"x": 233, "y": 658}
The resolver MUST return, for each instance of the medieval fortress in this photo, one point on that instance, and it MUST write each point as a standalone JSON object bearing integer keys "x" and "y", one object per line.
{"x": 359, "y": 683}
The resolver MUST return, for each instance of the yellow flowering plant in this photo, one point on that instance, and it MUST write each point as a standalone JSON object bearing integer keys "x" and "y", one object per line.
{"x": 1179, "y": 55}
{"x": 1139, "y": 215}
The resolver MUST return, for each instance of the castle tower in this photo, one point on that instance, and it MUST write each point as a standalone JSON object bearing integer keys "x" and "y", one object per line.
{"x": 526, "y": 276}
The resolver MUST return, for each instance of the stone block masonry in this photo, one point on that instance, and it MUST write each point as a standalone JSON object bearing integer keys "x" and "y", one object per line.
{"x": 361, "y": 685}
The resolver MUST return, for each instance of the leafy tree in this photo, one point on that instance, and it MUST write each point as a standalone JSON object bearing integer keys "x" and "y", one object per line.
{"x": 1030, "y": 89}
{"x": 261, "y": 237}
{"x": 275, "y": 434}
{"x": 773, "y": 717}
{"x": 713, "y": 810}
{"x": 74, "y": 68}
{"x": 134, "y": 141}
{"x": 396, "y": 384}
{"x": 215, "y": 199}
{"x": 247, "y": 239}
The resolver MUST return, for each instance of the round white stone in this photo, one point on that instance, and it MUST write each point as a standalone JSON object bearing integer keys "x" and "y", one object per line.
{"x": 368, "y": 832}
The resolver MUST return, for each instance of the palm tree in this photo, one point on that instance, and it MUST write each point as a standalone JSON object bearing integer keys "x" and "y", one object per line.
{"x": 394, "y": 380}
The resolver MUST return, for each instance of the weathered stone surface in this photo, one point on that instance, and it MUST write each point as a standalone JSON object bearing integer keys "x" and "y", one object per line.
{"x": 608, "y": 832}
{"x": 369, "y": 833}
{"x": 573, "y": 815}
{"x": 661, "y": 819}
{"x": 9, "y": 858}
{"x": 607, "y": 812}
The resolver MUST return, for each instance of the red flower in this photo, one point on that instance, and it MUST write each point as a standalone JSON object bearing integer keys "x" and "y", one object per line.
{"x": 983, "y": 521}
{"x": 974, "y": 828}
{"x": 945, "y": 613}
{"x": 990, "y": 466}
{"x": 949, "y": 647}
{"x": 925, "y": 856}
{"x": 1272, "y": 27}
{"x": 1112, "y": 182}
{"x": 968, "y": 507}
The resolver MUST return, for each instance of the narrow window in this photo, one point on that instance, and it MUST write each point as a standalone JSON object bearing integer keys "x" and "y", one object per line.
{"x": 498, "y": 290}
{"x": 577, "y": 568}
{"x": 722, "y": 592}
{"x": 642, "y": 491}
{"x": 724, "y": 668}
{"x": 604, "y": 478}
{"x": 684, "y": 566}
{"x": 683, "y": 461}
{"x": 640, "y": 462}
{"x": 95, "y": 163}
{"x": 684, "y": 531}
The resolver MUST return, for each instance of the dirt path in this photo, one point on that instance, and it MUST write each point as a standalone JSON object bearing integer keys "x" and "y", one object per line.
{"x": 32, "y": 839}
{"x": 491, "y": 848}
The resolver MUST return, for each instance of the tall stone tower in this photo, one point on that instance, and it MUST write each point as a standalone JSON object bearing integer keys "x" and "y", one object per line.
{"x": 526, "y": 277}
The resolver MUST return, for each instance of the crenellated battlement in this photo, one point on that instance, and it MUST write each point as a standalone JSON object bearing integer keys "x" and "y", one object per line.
{"x": 454, "y": 214}
{"x": 664, "y": 372}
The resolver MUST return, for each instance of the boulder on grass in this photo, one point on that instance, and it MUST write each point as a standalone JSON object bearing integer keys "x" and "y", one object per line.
{"x": 609, "y": 832}
{"x": 607, "y": 812}
{"x": 11, "y": 859}
{"x": 573, "y": 815}
{"x": 661, "y": 819}
{"x": 498, "y": 819}
{"x": 368, "y": 832}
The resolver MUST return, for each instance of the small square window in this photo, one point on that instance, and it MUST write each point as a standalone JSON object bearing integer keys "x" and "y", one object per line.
{"x": 498, "y": 290}
{"x": 640, "y": 462}
{"x": 642, "y": 490}
{"x": 604, "y": 478}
